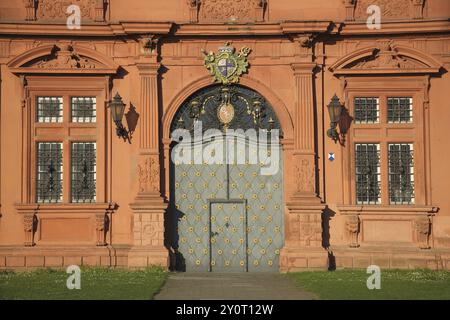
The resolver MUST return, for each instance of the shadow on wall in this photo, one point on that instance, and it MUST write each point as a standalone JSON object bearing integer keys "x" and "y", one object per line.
{"x": 327, "y": 214}
{"x": 132, "y": 118}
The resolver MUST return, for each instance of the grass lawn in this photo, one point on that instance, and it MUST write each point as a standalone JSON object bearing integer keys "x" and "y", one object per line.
{"x": 96, "y": 284}
{"x": 395, "y": 284}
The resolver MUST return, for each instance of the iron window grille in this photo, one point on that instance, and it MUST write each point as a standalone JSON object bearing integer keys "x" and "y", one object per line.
{"x": 49, "y": 109}
{"x": 49, "y": 172}
{"x": 401, "y": 173}
{"x": 83, "y": 172}
{"x": 400, "y": 110}
{"x": 84, "y": 109}
{"x": 367, "y": 165}
{"x": 367, "y": 110}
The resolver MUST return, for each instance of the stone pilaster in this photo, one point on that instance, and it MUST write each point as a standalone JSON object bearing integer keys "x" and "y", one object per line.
{"x": 149, "y": 205}
{"x": 303, "y": 246}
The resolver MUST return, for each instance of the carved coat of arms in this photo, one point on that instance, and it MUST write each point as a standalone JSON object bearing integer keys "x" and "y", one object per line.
{"x": 227, "y": 66}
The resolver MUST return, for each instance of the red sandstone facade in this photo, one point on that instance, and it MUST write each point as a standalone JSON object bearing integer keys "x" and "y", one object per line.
{"x": 302, "y": 54}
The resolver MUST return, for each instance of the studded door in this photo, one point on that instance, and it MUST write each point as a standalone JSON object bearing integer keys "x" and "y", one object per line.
{"x": 227, "y": 217}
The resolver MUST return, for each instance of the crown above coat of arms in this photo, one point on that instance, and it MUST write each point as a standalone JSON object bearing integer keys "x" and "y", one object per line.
{"x": 227, "y": 66}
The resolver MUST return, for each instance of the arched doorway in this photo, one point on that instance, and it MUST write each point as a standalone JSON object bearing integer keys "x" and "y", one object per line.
{"x": 226, "y": 182}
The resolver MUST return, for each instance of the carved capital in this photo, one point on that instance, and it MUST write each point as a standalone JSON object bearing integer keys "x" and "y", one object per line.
{"x": 304, "y": 44}
{"x": 352, "y": 227}
{"x": 148, "y": 44}
{"x": 422, "y": 227}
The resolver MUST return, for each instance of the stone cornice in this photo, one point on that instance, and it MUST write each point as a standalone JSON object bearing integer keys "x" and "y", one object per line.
{"x": 124, "y": 28}
{"x": 95, "y": 30}
{"x": 397, "y": 27}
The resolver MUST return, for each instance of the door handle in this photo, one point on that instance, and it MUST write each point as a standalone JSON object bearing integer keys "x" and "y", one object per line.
{"x": 213, "y": 234}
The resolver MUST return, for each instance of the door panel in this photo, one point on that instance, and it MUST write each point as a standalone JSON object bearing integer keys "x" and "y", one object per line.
{"x": 264, "y": 196}
{"x": 228, "y": 237}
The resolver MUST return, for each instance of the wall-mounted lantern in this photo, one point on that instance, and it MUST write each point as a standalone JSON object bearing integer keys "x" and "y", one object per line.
{"x": 335, "y": 110}
{"x": 117, "y": 108}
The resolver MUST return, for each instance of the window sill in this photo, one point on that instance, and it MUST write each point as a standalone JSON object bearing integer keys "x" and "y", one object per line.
{"x": 61, "y": 208}
{"x": 404, "y": 210}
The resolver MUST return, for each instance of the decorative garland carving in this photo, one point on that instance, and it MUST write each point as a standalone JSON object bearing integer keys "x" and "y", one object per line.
{"x": 57, "y": 9}
{"x": 389, "y": 9}
{"x": 231, "y": 10}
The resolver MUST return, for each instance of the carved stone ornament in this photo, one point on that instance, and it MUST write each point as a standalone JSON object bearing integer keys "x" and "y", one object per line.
{"x": 57, "y": 9}
{"x": 149, "y": 44}
{"x": 352, "y": 226}
{"x": 227, "y": 65}
{"x": 29, "y": 224}
{"x": 148, "y": 173}
{"x": 305, "y": 229}
{"x": 232, "y": 10}
{"x": 386, "y": 57}
{"x": 64, "y": 57}
{"x": 389, "y": 9}
{"x": 423, "y": 231}
{"x": 100, "y": 228}
{"x": 305, "y": 176}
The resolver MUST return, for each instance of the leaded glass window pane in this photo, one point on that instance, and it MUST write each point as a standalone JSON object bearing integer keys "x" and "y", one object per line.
{"x": 84, "y": 109}
{"x": 49, "y": 172}
{"x": 49, "y": 109}
{"x": 367, "y": 110}
{"x": 401, "y": 173}
{"x": 367, "y": 158}
{"x": 84, "y": 172}
{"x": 400, "y": 110}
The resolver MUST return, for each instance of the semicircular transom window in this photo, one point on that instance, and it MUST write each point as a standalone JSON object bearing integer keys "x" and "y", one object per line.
{"x": 226, "y": 107}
